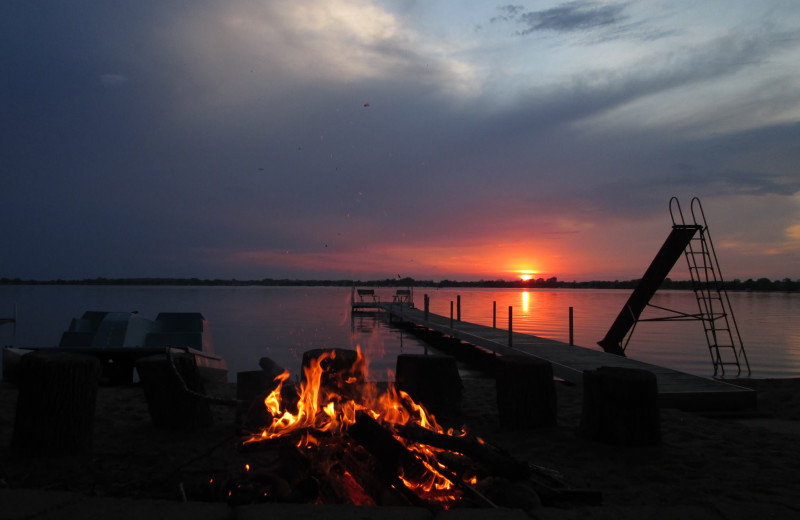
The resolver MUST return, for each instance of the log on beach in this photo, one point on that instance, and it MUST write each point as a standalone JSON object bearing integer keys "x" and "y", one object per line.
{"x": 526, "y": 392}
{"x": 434, "y": 382}
{"x": 620, "y": 406}
{"x": 56, "y": 403}
{"x": 165, "y": 383}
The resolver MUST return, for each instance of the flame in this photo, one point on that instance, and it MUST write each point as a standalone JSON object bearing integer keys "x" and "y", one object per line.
{"x": 328, "y": 403}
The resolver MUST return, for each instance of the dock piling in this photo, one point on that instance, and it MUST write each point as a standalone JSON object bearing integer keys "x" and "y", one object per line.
{"x": 451, "y": 314}
{"x": 571, "y": 329}
{"x": 510, "y": 321}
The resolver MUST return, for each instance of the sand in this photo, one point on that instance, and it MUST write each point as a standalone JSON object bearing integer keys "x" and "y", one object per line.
{"x": 744, "y": 465}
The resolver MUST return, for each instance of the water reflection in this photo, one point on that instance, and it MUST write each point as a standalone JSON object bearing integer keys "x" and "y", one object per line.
{"x": 283, "y": 322}
{"x": 767, "y": 321}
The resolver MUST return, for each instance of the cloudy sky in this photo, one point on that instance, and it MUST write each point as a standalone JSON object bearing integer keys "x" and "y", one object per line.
{"x": 358, "y": 139}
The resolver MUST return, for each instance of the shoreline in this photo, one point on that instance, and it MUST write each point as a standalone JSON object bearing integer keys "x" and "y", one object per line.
{"x": 766, "y": 285}
{"x": 741, "y": 465}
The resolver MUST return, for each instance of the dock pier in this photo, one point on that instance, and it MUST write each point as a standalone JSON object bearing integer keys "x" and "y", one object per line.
{"x": 676, "y": 389}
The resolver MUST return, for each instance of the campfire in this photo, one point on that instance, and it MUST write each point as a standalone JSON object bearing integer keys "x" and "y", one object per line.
{"x": 335, "y": 437}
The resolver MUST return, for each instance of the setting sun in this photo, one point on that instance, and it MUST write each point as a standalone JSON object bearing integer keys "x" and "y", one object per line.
{"x": 526, "y": 274}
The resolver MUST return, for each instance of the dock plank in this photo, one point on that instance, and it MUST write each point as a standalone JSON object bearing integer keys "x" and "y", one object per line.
{"x": 676, "y": 389}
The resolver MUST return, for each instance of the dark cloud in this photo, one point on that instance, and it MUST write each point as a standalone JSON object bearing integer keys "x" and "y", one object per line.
{"x": 568, "y": 17}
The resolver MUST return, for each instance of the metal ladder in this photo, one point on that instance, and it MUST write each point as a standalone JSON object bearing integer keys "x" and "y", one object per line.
{"x": 722, "y": 334}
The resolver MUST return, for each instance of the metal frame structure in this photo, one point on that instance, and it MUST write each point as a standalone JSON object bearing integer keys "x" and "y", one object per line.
{"x": 693, "y": 239}
{"x": 724, "y": 341}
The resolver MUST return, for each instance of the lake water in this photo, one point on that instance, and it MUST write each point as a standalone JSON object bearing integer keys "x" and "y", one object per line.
{"x": 282, "y": 322}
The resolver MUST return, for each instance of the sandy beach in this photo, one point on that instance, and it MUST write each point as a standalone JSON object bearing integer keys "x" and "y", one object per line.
{"x": 743, "y": 465}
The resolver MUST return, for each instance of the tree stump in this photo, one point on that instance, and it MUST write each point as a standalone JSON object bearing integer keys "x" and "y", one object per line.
{"x": 434, "y": 382}
{"x": 56, "y": 403}
{"x": 171, "y": 406}
{"x": 526, "y": 392}
{"x": 620, "y": 406}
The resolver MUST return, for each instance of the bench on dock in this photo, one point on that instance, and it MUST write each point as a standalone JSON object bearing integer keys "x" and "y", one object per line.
{"x": 366, "y": 293}
{"x": 402, "y": 296}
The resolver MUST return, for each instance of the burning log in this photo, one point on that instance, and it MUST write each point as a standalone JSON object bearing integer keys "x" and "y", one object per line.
{"x": 489, "y": 460}
{"x": 392, "y": 456}
{"x": 345, "y": 473}
{"x": 396, "y": 461}
{"x": 252, "y": 387}
{"x": 56, "y": 402}
{"x": 526, "y": 394}
{"x": 432, "y": 381}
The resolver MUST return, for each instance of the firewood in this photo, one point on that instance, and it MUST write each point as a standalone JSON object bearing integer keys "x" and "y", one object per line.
{"x": 490, "y": 460}
{"x": 356, "y": 461}
{"x": 394, "y": 457}
{"x": 337, "y": 483}
{"x": 289, "y": 439}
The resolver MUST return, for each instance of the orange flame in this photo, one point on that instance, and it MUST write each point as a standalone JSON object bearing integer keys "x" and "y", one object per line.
{"x": 323, "y": 408}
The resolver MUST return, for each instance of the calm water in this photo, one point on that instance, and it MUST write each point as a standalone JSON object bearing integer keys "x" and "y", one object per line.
{"x": 283, "y": 322}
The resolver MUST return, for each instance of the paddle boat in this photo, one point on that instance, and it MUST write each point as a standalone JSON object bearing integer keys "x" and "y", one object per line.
{"x": 119, "y": 339}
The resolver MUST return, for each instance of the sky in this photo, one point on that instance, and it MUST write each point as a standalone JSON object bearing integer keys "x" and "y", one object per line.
{"x": 359, "y": 139}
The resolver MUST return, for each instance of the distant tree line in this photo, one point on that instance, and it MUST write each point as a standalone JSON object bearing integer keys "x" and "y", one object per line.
{"x": 761, "y": 284}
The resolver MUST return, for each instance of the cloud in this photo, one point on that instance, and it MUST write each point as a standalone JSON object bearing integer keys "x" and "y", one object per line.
{"x": 242, "y": 52}
{"x": 247, "y": 136}
{"x": 568, "y": 17}
{"x": 661, "y": 81}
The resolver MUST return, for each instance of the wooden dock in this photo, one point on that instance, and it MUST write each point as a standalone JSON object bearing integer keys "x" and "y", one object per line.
{"x": 676, "y": 389}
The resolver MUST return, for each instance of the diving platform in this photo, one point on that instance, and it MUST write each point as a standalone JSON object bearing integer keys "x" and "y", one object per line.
{"x": 676, "y": 389}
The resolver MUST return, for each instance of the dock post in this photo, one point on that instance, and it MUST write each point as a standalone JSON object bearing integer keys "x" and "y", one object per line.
{"x": 451, "y": 314}
{"x": 427, "y": 305}
{"x": 571, "y": 329}
{"x": 510, "y": 321}
{"x": 458, "y": 307}
{"x": 494, "y": 314}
